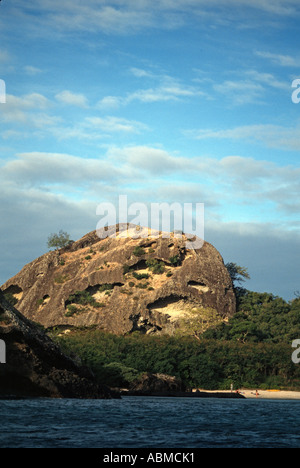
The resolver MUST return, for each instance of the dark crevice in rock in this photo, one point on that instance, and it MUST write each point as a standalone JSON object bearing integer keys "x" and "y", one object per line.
{"x": 143, "y": 325}
{"x": 13, "y": 289}
{"x": 165, "y": 301}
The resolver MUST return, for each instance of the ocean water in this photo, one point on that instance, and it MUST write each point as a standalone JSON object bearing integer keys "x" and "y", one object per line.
{"x": 151, "y": 422}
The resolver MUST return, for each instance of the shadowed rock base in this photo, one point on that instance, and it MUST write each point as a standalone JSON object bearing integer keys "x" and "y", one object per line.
{"x": 162, "y": 385}
{"x": 36, "y": 367}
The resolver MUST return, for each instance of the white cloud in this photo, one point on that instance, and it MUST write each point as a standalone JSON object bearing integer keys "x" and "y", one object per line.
{"x": 130, "y": 16}
{"x": 111, "y": 124}
{"x": 29, "y": 101}
{"x": 32, "y": 71}
{"x": 251, "y": 206}
{"x": 232, "y": 182}
{"x": 29, "y": 216}
{"x": 279, "y": 59}
{"x": 72, "y": 99}
{"x": 140, "y": 73}
{"x": 168, "y": 89}
{"x": 276, "y": 7}
{"x": 269, "y": 80}
{"x": 96, "y": 16}
{"x": 91, "y": 129}
{"x": 109, "y": 102}
{"x": 28, "y": 111}
{"x": 240, "y": 92}
{"x": 269, "y": 252}
{"x": 272, "y": 136}
{"x": 248, "y": 86}
{"x": 35, "y": 112}
{"x": 41, "y": 169}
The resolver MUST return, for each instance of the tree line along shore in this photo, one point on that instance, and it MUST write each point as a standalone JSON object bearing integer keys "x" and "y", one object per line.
{"x": 253, "y": 350}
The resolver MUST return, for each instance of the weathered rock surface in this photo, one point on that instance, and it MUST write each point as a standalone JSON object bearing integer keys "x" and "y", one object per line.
{"x": 156, "y": 383}
{"x": 165, "y": 385}
{"x": 107, "y": 270}
{"x": 36, "y": 367}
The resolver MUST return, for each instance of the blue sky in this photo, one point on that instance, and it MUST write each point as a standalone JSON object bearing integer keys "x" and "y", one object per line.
{"x": 165, "y": 101}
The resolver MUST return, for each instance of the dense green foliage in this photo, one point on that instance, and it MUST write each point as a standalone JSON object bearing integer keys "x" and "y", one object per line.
{"x": 58, "y": 241}
{"x": 82, "y": 298}
{"x": 261, "y": 317}
{"x": 157, "y": 267}
{"x": 138, "y": 251}
{"x": 207, "y": 364}
{"x": 140, "y": 276}
{"x": 253, "y": 349}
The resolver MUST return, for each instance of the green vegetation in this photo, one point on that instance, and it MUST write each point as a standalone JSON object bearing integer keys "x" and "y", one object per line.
{"x": 261, "y": 317}
{"x": 117, "y": 374}
{"x": 138, "y": 251}
{"x": 155, "y": 266}
{"x": 142, "y": 285}
{"x": 238, "y": 275}
{"x": 197, "y": 320}
{"x": 58, "y": 241}
{"x": 175, "y": 260}
{"x": 106, "y": 287}
{"x": 253, "y": 349}
{"x": 140, "y": 276}
{"x": 10, "y": 298}
{"x": 82, "y": 298}
{"x": 71, "y": 310}
{"x": 208, "y": 364}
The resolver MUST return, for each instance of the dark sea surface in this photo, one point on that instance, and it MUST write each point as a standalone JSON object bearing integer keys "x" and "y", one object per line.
{"x": 151, "y": 422}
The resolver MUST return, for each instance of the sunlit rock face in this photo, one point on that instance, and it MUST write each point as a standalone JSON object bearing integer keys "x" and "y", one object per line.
{"x": 122, "y": 284}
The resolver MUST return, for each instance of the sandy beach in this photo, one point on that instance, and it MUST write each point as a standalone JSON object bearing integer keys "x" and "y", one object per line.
{"x": 274, "y": 394}
{"x": 263, "y": 394}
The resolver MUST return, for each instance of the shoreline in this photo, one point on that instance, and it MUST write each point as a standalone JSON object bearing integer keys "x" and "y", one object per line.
{"x": 195, "y": 393}
{"x": 242, "y": 393}
{"x": 262, "y": 394}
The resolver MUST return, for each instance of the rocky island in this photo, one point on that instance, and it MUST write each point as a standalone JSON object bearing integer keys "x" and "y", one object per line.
{"x": 122, "y": 284}
{"x": 118, "y": 284}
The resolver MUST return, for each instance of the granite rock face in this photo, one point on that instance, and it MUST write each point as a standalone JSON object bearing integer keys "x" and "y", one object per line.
{"x": 122, "y": 284}
{"x": 36, "y": 367}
